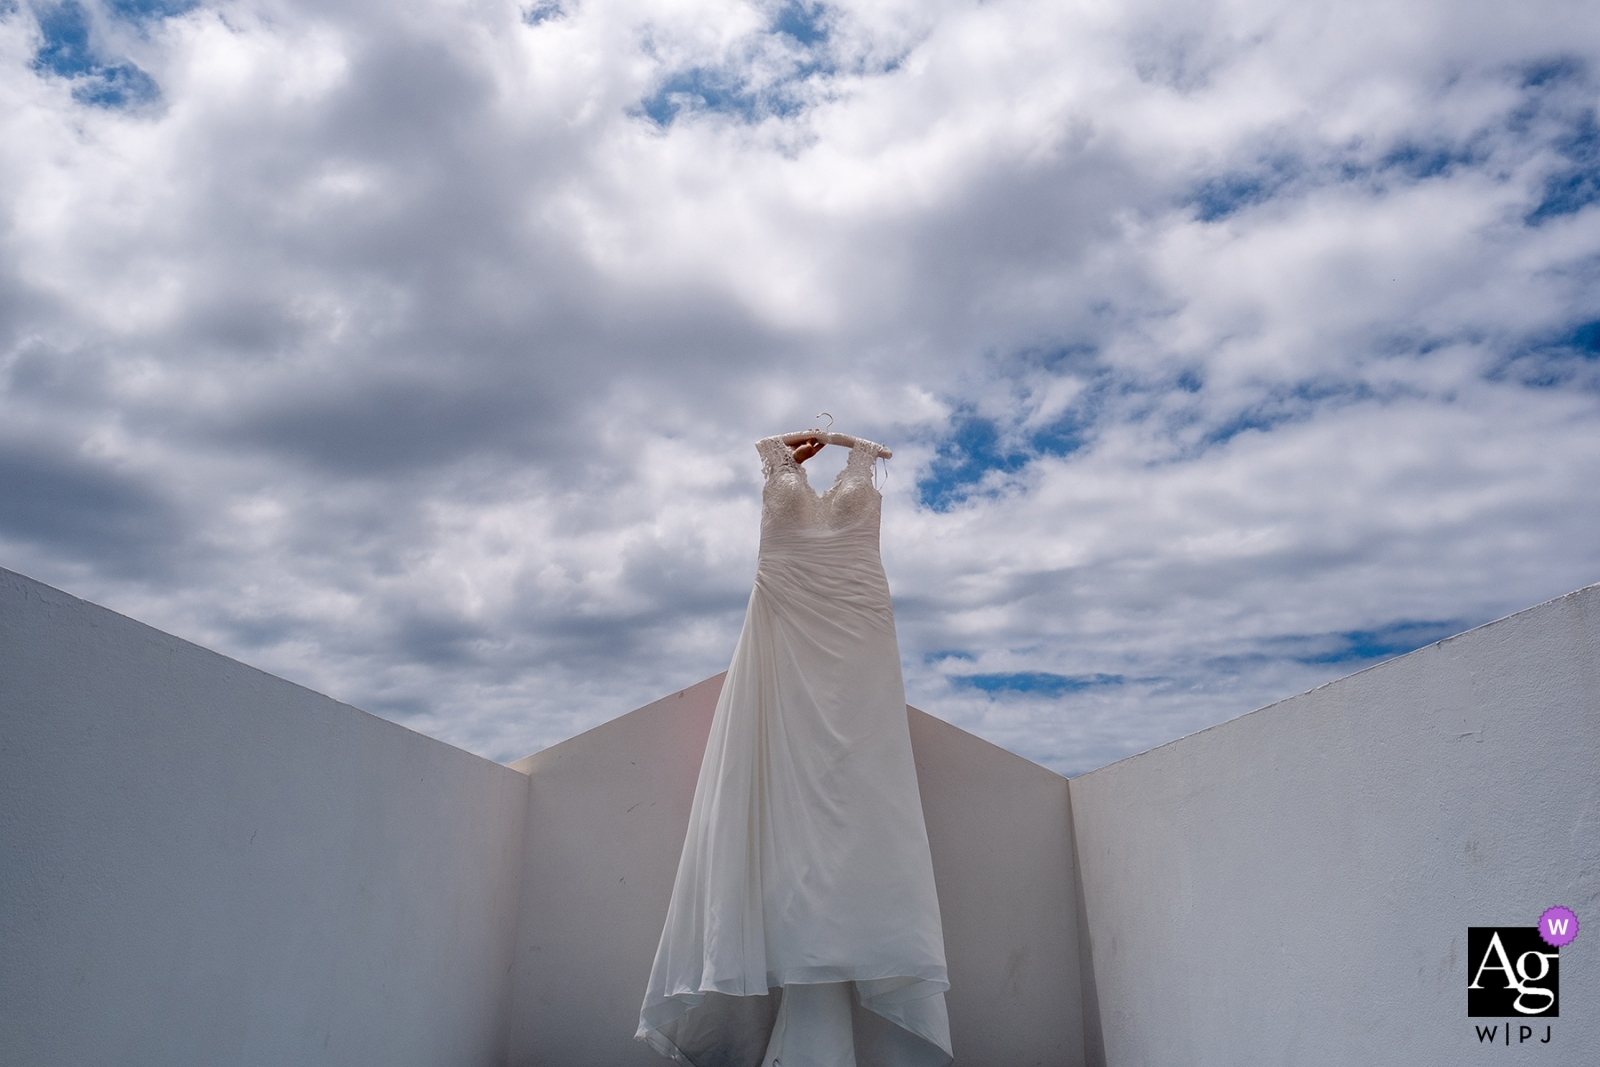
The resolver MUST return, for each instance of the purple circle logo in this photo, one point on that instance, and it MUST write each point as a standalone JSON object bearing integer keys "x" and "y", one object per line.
{"x": 1558, "y": 926}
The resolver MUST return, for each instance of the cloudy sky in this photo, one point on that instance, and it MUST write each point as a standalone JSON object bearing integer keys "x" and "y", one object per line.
{"x": 414, "y": 350}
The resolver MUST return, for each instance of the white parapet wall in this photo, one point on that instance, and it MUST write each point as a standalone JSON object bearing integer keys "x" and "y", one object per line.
{"x": 202, "y": 865}
{"x": 1295, "y": 886}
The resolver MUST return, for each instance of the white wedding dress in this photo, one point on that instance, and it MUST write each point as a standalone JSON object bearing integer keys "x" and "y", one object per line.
{"x": 804, "y": 929}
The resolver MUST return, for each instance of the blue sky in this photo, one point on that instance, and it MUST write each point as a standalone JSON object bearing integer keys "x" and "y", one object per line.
{"x": 414, "y": 351}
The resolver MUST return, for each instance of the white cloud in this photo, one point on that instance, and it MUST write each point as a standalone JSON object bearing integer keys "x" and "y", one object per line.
{"x": 414, "y": 352}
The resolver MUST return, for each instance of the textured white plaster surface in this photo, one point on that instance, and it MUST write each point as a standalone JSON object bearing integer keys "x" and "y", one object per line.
{"x": 1295, "y": 886}
{"x": 607, "y": 811}
{"x": 1000, "y": 830}
{"x": 201, "y": 864}
{"x": 607, "y": 814}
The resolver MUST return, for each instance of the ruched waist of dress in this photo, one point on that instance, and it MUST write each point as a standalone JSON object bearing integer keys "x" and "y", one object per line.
{"x": 828, "y": 596}
{"x": 831, "y": 559}
{"x": 856, "y": 537}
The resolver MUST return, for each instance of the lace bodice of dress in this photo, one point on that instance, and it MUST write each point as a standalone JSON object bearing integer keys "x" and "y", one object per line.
{"x": 788, "y": 496}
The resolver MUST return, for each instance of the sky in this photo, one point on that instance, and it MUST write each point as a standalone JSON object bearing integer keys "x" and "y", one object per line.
{"x": 414, "y": 351}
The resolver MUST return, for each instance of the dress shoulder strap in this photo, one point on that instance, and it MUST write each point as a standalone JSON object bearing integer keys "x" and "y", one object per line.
{"x": 775, "y": 456}
{"x": 862, "y": 457}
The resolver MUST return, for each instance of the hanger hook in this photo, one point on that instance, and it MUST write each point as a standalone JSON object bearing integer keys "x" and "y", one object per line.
{"x": 830, "y": 420}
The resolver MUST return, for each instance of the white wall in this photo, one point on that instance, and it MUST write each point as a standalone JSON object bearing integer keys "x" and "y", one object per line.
{"x": 201, "y": 864}
{"x": 607, "y": 814}
{"x": 1295, "y": 886}
{"x": 204, "y": 865}
{"x": 1001, "y": 833}
{"x": 607, "y": 811}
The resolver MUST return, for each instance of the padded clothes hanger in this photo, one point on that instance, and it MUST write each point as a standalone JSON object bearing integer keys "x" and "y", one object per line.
{"x": 844, "y": 440}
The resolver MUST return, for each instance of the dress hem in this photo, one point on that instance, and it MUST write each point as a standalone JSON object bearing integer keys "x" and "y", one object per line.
{"x": 883, "y": 1002}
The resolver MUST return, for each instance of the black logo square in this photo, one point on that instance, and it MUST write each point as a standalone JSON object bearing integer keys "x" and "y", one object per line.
{"x": 1511, "y": 973}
